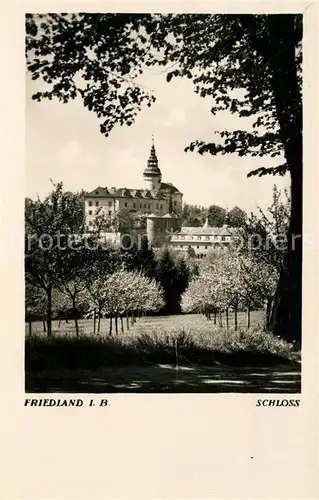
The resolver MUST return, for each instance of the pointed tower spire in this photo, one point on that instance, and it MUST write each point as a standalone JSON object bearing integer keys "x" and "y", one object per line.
{"x": 226, "y": 222}
{"x": 206, "y": 223}
{"x": 152, "y": 174}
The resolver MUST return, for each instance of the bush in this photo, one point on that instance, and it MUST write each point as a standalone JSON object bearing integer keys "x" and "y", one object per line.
{"x": 253, "y": 347}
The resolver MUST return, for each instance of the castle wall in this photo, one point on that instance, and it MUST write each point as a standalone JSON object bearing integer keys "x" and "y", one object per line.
{"x": 110, "y": 205}
{"x": 94, "y": 206}
{"x": 143, "y": 205}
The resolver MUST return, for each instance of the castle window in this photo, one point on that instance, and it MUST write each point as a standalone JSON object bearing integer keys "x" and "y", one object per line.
{"x": 96, "y": 192}
{"x": 90, "y": 203}
{"x": 110, "y": 212}
{"x": 140, "y": 205}
{"x": 223, "y": 238}
{"x": 182, "y": 246}
{"x": 207, "y": 238}
{"x": 197, "y": 246}
{"x": 161, "y": 206}
{"x": 175, "y": 202}
{"x": 149, "y": 206}
{"x": 96, "y": 203}
{"x": 205, "y": 247}
{"x": 125, "y": 204}
{"x": 110, "y": 203}
{"x": 90, "y": 212}
{"x": 199, "y": 237}
{"x": 134, "y": 205}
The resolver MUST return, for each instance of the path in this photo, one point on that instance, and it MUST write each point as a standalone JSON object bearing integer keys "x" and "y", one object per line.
{"x": 166, "y": 379}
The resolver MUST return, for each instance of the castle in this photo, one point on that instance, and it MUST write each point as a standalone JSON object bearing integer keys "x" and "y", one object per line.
{"x": 161, "y": 203}
{"x": 156, "y": 199}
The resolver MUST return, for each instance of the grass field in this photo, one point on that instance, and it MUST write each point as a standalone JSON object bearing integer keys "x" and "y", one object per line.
{"x": 184, "y": 353}
{"x": 146, "y": 324}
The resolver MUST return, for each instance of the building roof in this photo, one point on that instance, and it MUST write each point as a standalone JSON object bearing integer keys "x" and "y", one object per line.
{"x": 104, "y": 192}
{"x": 208, "y": 231}
{"x": 168, "y": 186}
{"x": 152, "y": 168}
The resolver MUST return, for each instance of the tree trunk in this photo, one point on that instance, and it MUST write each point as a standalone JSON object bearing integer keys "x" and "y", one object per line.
{"x": 44, "y": 325}
{"x": 127, "y": 322}
{"x": 122, "y": 327}
{"x": 99, "y": 323}
{"x": 76, "y": 326}
{"x": 236, "y": 319}
{"x": 30, "y": 328}
{"x": 132, "y": 318}
{"x": 116, "y": 326}
{"x": 110, "y": 329}
{"x": 268, "y": 312}
{"x": 248, "y": 317}
{"x": 288, "y": 302}
{"x": 49, "y": 311}
{"x": 59, "y": 323}
{"x": 215, "y": 318}
{"x": 286, "y": 319}
{"x": 75, "y": 318}
{"x": 227, "y": 319}
{"x": 94, "y": 321}
{"x": 220, "y": 318}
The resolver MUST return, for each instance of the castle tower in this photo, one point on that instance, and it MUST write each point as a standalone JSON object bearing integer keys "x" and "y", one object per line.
{"x": 226, "y": 222}
{"x": 152, "y": 174}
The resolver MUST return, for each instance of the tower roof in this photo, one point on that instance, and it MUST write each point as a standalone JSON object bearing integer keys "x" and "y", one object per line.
{"x": 152, "y": 169}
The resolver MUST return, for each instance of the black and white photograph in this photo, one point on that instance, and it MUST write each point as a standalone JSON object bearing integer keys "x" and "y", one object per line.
{"x": 163, "y": 203}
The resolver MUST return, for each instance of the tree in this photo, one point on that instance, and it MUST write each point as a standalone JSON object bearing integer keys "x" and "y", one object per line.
{"x": 74, "y": 290}
{"x": 173, "y": 276}
{"x": 58, "y": 254}
{"x": 48, "y": 225}
{"x": 246, "y": 64}
{"x": 61, "y": 305}
{"x": 35, "y": 304}
{"x": 236, "y": 217}
{"x": 129, "y": 292}
{"x": 143, "y": 258}
{"x": 250, "y": 65}
{"x": 97, "y": 272}
{"x": 216, "y": 216}
{"x": 264, "y": 237}
{"x": 230, "y": 281}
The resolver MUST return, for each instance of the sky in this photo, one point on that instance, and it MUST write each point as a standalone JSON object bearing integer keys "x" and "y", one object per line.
{"x": 64, "y": 143}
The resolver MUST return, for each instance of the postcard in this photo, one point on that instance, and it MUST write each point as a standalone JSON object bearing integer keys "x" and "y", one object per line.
{"x": 160, "y": 250}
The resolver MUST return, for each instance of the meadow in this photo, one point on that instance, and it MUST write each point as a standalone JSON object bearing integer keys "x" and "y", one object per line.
{"x": 147, "y": 324}
{"x": 183, "y": 353}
